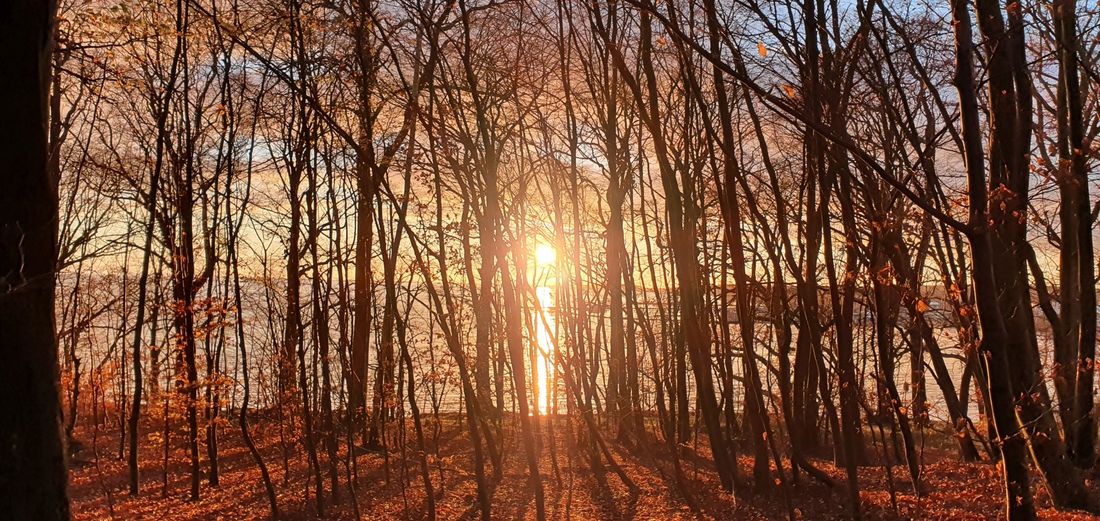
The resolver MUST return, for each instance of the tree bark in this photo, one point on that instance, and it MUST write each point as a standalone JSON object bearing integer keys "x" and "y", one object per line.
{"x": 32, "y": 461}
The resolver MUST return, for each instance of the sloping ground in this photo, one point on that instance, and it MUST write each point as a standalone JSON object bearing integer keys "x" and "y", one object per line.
{"x": 391, "y": 487}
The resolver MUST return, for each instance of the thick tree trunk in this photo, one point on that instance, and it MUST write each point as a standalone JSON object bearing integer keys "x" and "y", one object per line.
{"x": 1076, "y": 350}
{"x": 32, "y": 462}
{"x": 1009, "y": 166}
{"x": 364, "y": 237}
{"x": 1018, "y": 499}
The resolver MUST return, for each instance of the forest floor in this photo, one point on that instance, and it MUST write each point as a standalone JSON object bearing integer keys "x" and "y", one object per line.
{"x": 98, "y": 485}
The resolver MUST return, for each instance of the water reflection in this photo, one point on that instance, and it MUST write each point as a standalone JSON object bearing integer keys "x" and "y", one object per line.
{"x": 544, "y": 367}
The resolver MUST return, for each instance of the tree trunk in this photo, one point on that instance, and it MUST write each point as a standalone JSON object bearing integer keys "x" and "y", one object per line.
{"x": 32, "y": 461}
{"x": 1018, "y": 499}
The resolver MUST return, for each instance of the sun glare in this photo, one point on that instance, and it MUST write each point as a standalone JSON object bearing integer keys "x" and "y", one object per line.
{"x": 545, "y": 255}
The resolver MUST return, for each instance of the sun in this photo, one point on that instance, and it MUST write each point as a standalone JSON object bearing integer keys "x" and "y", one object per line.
{"x": 545, "y": 255}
